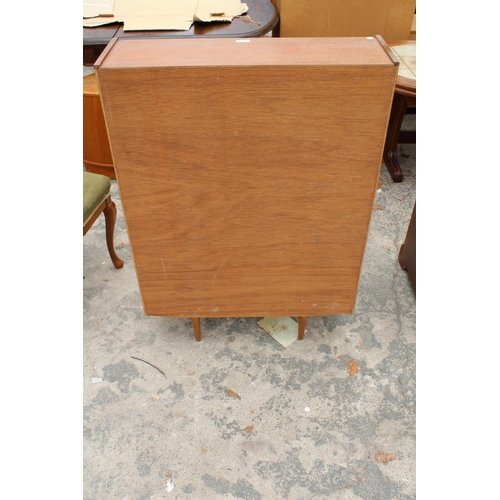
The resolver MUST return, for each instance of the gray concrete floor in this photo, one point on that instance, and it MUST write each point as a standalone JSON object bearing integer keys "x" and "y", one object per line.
{"x": 239, "y": 416}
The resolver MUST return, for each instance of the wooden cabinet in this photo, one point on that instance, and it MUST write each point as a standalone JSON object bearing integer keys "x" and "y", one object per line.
{"x": 247, "y": 169}
{"x": 97, "y": 156}
{"x": 391, "y": 19}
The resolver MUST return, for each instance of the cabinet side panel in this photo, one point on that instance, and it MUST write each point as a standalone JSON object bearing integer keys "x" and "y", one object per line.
{"x": 248, "y": 190}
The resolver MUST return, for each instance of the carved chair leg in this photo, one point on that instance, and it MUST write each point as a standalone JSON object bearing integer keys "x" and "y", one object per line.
{"x": 110, "y": 216}
{"x": 302, "y": 326}
{"x": 197, "y": 328}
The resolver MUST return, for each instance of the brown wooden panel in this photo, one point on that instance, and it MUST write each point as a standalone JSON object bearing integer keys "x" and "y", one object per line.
{"x": 173, "y": 53}
{"x": 247, "y": 183}
{"x": 392, "y": 19}
{"x": 96, "y": 149}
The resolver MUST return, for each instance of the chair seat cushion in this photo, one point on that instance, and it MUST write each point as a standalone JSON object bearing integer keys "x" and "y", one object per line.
{"x": 95, "y": 190}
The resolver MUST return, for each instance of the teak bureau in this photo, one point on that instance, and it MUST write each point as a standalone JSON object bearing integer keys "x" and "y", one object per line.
{"x": 247, "y": 169}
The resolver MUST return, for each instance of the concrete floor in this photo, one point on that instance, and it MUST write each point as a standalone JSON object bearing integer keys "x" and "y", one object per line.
{"x": 239, "y": 416}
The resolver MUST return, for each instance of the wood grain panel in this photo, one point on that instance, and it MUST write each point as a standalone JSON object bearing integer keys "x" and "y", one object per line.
{"x": 149, "y": 53}
{"x": 247, "y": 189}
{"x": 96, "y": 150}
{"x": 392, "y": 19}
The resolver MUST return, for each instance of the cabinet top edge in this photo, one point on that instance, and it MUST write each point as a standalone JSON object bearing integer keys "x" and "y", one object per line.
{"x": 265, "y": 51}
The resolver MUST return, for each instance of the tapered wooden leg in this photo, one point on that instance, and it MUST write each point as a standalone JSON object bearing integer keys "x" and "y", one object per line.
{"x": 302, "y": 326}
{"x": 197, "y": 328}
{"x": 110, "y": 216}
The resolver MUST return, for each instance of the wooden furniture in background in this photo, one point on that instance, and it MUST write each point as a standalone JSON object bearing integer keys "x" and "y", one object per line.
{"x": 247, "y": 169}
{"x": 408, "y": 250}
{"x": 261, "y": 18}
{"x": 97, "y": 155}
{"x": 405, "y": 96}
{"x": 413, "y": 32}
{"x": 97, "y": 200}
{"x": 391, "y": 19}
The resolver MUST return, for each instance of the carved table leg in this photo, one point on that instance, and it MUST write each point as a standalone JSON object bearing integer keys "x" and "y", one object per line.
{"x": 399, "y": 105}
{"x": 197, "y": 328}
{"x": 302, "y": 326}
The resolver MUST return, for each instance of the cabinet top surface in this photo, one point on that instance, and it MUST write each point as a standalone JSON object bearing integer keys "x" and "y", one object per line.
{"x": 265, "y": 51}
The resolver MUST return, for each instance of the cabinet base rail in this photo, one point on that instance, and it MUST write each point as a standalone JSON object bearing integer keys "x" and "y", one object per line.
{"x": 197, "y": 327}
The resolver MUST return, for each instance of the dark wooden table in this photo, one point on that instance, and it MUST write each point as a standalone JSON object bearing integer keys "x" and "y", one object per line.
{"x": 405, "y": 95}
{"x": 261, "y": 18}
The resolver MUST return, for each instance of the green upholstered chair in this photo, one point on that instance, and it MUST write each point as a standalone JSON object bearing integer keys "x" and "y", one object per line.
{"x": 97, "y": 199}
